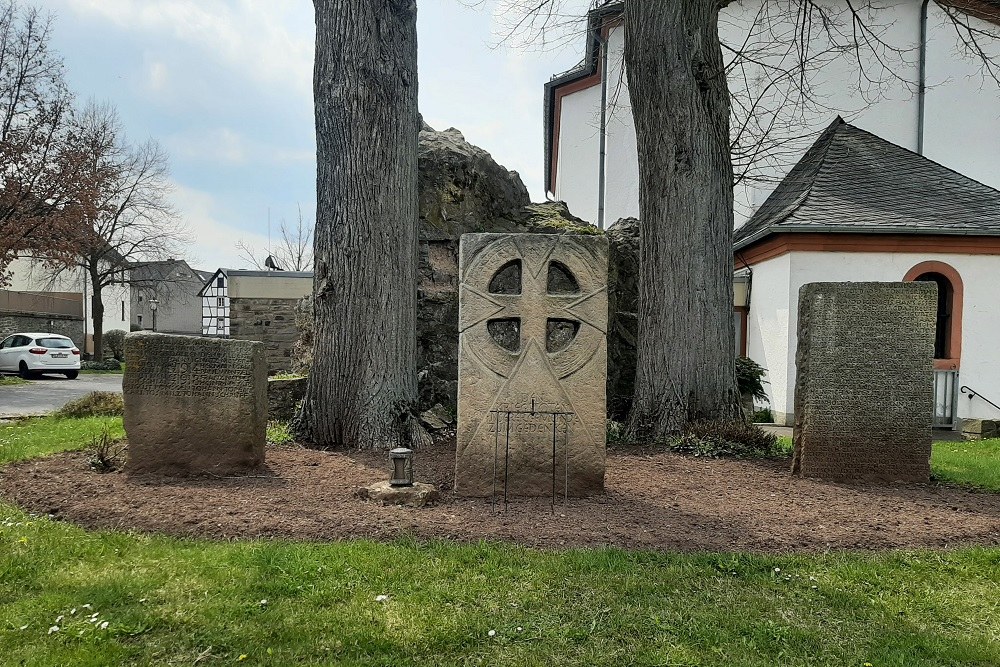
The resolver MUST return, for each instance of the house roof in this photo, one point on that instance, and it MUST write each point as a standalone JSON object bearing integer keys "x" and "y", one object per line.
{"x": 853, "y": 181}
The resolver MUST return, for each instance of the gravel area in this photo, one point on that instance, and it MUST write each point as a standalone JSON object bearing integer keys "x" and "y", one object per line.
{"x": 653, "y": 500}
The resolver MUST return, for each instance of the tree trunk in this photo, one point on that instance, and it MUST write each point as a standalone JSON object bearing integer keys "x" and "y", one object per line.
{"x": 680, "y": 101}
{"x": 363, "y": 379}
{"x": 97, "y": 314}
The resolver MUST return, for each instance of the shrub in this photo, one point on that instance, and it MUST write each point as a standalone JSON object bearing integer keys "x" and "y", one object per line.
{"x": 750, "y": 378}
{"x": 615, "y": 432}
{"x": 763, "y": 416}
{"x": 106, "y": 452}
{"x": 716, "y": 439}
{"x": 115, "y": 342}
{"x": 278, "y": 433}
{"x": 94, "y": 404}
{"x": 106, "y": 365}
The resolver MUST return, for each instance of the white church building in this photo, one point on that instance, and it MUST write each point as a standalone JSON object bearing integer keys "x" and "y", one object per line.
{"x": 906, "y": 189}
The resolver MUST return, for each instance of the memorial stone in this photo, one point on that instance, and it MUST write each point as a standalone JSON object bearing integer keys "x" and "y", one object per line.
{"x": 864, "y": 381}
{"x": 194, "y": 405}
{"x": 533, "y": 313}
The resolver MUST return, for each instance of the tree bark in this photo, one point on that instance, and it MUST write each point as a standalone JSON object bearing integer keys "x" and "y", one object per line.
{"x": 97, "y": 314}
{"x": 363, "y": 380}
{"x": 680, "y": 101}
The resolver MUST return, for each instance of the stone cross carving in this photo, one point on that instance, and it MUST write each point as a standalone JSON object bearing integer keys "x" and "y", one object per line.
{"x": 533, "y": 327}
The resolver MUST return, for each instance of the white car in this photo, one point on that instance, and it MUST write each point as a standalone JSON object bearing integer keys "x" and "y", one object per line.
{"x": 32, "y": 353}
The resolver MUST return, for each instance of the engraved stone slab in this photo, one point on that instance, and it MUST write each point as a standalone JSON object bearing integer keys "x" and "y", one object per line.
{"x": 864, "y": 381}
{"x": 194, "y": 405}
{"x": 533, "y": 316}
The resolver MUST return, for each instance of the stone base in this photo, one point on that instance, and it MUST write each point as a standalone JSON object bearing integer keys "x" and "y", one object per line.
{"x": 980, "y": 429}
{"x": 418, "y": 495}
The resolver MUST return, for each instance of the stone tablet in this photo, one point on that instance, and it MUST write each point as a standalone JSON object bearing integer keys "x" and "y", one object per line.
{"x": 533, "y": 313}
{"x": 864, "y": 381}
{"x": 194, "y": 405}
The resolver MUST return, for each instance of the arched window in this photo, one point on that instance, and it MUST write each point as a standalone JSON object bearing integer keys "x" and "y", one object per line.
{"x": 948, "y": 332}
{"x": 946, "y": 298}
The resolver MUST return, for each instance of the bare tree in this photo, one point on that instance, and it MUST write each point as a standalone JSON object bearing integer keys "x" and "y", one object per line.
{"x": 293, "y": 251}
{"x": 363, "y": 383}
{"x": 689, "y": 127}
{"x": 127, "y": 220}
{"x": 39, "y": 176}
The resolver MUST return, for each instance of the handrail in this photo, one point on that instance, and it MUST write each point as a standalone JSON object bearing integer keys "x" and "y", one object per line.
{"x": 973, "y": 393}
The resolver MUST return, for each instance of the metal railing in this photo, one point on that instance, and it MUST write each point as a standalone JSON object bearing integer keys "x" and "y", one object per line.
{"x": 973, "y": 394}
{"x": 41, "y": 303}
{"x": 945, "y": 399}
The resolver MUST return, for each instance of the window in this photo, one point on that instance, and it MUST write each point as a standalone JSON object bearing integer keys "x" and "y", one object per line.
{"x": 946, "y": 299}
{"x": 948, "y": 325}
{"x": 220, "y": 302}
{"x": 220, "y": 281}
{"x": 7, "y": 342}
{"x": 123, "y": 311}
{"x": 138, "y": 320}
{"x": 140, "y": 298}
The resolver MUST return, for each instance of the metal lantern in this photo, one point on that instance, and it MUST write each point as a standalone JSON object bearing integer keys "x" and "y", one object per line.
{"x": 402, "y": 466}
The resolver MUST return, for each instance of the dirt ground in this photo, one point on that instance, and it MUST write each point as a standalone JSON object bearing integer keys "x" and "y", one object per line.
{"x": 653, "y": 500}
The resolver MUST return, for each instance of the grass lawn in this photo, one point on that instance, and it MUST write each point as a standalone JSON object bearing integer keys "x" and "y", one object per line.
{"x": 170, "y": 601}
{"x": 973, "y": 463}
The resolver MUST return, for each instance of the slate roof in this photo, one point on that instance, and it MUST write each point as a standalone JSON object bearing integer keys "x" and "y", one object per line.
{"x": 853, "y": 181}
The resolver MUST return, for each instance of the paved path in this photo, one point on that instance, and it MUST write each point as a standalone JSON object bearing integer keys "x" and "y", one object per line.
{"x": 51, "y": 392}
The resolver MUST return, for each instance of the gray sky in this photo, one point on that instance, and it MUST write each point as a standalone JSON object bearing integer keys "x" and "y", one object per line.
{"x": 226, "y": 87}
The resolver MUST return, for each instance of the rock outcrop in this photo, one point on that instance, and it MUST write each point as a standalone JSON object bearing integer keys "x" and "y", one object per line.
{"x": 462, "y": 189}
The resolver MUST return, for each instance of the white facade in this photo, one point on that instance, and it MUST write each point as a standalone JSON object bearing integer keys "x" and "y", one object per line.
{"x": 29, "y": 275}
{"x": 215, "y": 306}
{"x": 773, "y": 317}
{"x": 961, "y": 128}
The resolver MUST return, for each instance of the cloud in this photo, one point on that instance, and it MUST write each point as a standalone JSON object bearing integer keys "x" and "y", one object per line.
{"x": 266, "y": 42}
{"x": 214, "y": 241}
{"x": 226, "y": 146}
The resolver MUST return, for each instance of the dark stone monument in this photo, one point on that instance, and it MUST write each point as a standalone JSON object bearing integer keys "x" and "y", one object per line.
{"x": 194, "y": 405}
{"x": 864, "y": 381}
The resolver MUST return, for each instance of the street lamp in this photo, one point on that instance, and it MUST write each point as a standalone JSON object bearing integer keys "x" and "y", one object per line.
{"x": 153, "y": 304}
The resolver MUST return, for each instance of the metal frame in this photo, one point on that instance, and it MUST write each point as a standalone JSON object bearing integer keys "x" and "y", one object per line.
{"x": 506, "y": 467}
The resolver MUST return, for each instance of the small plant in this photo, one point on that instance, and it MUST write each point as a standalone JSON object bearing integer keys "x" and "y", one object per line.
{"x": 763, "y": 416}
{"x": 115, "y": 340}
{"x": 717, "y": 439}
{"x": 94, "y": 404}
{"x": 278, "y": 433}
{"x": 106, "y": 452}
{"x": 750, "y": 379}
{"x": 615, "y": 432}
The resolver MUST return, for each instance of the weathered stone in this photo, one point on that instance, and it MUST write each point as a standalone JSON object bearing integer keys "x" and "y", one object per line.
{"x": 556, "y": 362}
{"x": 437, "y": 418}
{"x": 284, "y": 396}
{"x": 418, "y": 495}
{"x": 194, "y": 405}
{"x": 980, "y": 429}
{"x": 863, "y": 395}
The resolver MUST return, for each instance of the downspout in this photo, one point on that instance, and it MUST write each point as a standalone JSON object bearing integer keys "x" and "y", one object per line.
{"x": 922, "y": 83}
{"x": 602, "y": 167}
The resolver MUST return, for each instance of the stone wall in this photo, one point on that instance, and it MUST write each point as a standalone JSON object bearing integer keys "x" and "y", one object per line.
{"x": 863, "y": 395}
{"x": 270, "y": 321}
{"x": 65, "y": 325}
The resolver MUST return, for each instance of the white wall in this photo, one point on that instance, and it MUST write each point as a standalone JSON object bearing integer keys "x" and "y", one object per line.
{"x": 962, "y": 127}
{"x": 31, "y": 276}
{"x": 768, "y": 330}
{"x": 774, "y": 315}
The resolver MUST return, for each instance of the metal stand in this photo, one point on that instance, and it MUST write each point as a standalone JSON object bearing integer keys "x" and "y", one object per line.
{"x": 506, "y": 466}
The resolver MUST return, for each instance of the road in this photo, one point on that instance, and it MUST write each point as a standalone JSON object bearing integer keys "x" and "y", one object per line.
{"x": 51, "y": 392}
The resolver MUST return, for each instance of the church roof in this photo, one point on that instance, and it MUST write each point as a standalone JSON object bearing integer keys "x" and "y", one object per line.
{"x": 853, "y": 181}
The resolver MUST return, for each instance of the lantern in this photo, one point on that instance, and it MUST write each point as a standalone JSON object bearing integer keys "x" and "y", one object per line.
{"x": 402, "y": 466}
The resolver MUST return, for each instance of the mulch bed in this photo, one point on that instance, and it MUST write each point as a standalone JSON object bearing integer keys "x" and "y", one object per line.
{"x": 653, "y": 500}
